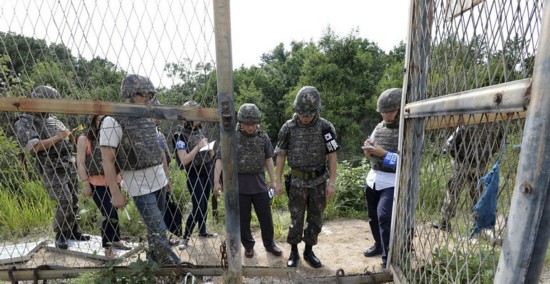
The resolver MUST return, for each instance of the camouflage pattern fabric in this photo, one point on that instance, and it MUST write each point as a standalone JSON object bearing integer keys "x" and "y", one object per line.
{"x": 304, "y": 145}
{"x": 139, "y": 147}
{"x": 306, "y": 150}
{"x": 472, "y": 148}
{"x": 55, "y": 165}
{"x": 249, "y": 113}
{"x": 192, "y": 139}
{"x": 389, "y": 100}
{"x": 312, "y": 199}
{"x": 136, "y": 84}
{"x": 94, "y": 162}
{"x": 250, "y": 149}
{"x": 388, "y": 138}
{"x": 307, "y": 101}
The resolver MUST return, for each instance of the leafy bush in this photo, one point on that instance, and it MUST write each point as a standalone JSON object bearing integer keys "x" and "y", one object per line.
{"x": 349, "y": 198}
{"x": 13, "y": 170}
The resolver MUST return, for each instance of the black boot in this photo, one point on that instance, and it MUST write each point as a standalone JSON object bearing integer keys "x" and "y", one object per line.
{"x": 77, "y": 235}
{"x": 444, "y": 225}
{"x": 294, "y": 256}
{"x": 310, "y": 257}
{"x": 293, "y": 259}
{"x": 61, "y": 241}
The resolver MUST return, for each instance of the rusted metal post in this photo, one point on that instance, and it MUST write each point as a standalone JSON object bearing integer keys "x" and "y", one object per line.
{"x": 526, "y": 237}
{"x": 411, "y": 135}
{"x": 226, "y": 109}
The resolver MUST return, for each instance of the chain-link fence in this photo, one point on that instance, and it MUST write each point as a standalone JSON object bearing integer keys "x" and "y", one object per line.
{"x": 88, "y": 90}
{"x": 137, "y": 91}
{"x": 468, "y": 82}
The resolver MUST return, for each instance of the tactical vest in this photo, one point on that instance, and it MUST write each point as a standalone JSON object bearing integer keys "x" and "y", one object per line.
{"x": 192, "y": 139}
{"x": 306, "y": 148}
{"x": 93, "y": 161}
{"x": 58, "y": 154}
{"x": 388, "y": 138}
{"x": 139, "y": 147}
{"x": 250, "y": 152}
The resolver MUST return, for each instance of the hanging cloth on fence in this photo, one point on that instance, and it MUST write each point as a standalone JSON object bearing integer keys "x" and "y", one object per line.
{"x": 485, "y": 210}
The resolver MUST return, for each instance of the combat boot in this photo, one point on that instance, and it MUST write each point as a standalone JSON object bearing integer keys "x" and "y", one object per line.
{"x": 76, "y": 235}
{"x": 443, "y": 225}
{"x": 61, "y": 241}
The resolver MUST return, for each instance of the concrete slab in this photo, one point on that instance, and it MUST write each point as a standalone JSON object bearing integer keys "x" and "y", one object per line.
{"x": 19, "y": 252}
{"x": 93, "y": 249}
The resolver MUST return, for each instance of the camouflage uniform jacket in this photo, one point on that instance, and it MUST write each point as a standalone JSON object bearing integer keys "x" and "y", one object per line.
{"x": 305, "y": 147}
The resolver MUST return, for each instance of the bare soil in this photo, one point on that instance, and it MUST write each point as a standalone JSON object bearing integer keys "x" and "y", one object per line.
{"x": 340, "y": 247}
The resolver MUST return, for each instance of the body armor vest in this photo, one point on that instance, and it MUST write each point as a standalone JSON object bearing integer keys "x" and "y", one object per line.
{"x": 93, "y": 161}
{"x": 59, "y": 153}
{"x": 387, "y": 136}
{"x": 139, "y": 147}
{"x": 307, "y": 149}
{"x": 250, "y": 152}
{"x": 192, "y": 139}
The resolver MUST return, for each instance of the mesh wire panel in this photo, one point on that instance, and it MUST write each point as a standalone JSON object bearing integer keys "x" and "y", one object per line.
{"x": 84, "y": 50}
{"x": 460, "y": 47}
{"x": 51, "y": 188}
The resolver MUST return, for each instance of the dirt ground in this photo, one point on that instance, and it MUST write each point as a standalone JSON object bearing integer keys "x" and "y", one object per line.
{"x": 341, "y": 245}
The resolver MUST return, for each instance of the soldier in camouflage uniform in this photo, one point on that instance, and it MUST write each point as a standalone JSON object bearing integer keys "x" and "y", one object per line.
{"x": 47, "y": 138}
{"x": 198, "y": 165}
{"x": 254, "y": 155}
{"x": 472, "y": 148}
{"x": 309, "y": 143}
{"x": 381, "y": 149}
{"x": 129, "y": 145}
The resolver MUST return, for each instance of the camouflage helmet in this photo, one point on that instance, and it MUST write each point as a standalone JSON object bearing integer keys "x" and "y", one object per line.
{"x": 308, "y": 101}
{"x": 192, "y": 104}
{"x": 45, "y": 92}
{"x": 389, "y": 100}
{"x": 249, "y": 113}
{"x": 136, "y": 84}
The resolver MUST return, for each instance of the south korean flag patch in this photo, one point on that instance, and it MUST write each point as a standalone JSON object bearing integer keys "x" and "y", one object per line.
{"x": 330, "y": 141}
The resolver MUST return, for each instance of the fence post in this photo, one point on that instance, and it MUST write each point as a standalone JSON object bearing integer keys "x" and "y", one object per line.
{"x": 411, "y": 132}
{"x": 527, "y": 233}
{"x": 226, "y": 110}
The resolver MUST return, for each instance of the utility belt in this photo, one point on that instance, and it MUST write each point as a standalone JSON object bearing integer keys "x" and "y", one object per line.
{"x": 309, "y": 175}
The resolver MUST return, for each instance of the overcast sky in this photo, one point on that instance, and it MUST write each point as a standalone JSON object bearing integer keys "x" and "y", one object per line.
{"x": 258, "y": 25}
{"x": 142, "y": 36}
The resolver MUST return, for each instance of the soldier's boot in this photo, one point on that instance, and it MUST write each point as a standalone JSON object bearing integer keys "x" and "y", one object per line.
{"x": 444, "y": 225}
{"x": 76, "y": 235}
{"x": 61, "y": 241}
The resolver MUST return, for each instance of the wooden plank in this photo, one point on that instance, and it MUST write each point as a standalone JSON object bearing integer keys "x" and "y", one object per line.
{"x": 107, "y": 108}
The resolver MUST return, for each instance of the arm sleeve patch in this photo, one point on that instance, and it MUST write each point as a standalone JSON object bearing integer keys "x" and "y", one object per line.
{"x": 330, "y": 141}
{"x": 390, "y": 160}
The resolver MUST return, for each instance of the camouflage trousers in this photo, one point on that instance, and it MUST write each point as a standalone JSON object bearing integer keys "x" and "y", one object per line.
{"x": 313, "y": 200}
{"x": 62, "y": 187}
{"x": 463, "y": 175}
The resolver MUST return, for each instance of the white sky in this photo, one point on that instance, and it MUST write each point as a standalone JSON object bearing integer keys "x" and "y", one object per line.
{"x": 142, "y": 36}
{"x": 259, "y": 25}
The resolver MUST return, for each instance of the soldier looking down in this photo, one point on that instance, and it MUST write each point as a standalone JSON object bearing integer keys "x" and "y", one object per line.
{"x": 308, "y": 141}
{"x": 381, "y": 149}
{"x": 130, "y": 145}
{"x": 254, "y": 156}
{"x": 47, "y": 138}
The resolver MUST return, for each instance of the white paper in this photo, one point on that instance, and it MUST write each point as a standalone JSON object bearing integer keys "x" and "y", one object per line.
{"x": 210, "y": 146}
